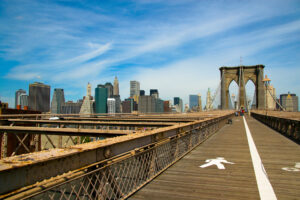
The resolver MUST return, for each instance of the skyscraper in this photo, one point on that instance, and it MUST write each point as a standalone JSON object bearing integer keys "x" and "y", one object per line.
{"x": 17, "y": 97}
{"x": 167, "y": 106}
{"x": 111, "y": 105}
{"x": 87, "y": 104}
{"x": 199, "y": 102}
{"x": 193, "y": 101}
{"x": 271, "y": 94}
{"x": 118, "y": 103}
{"x": 289, "y": 102}
{"x": 24, "y": 101}
{"x": 134, "y": 88}
{"x": 209, "y": 105}
{"x": 110, "y": 89}
{"x": 147, "y": 104}
{"x": 71, "y": 107}
{"x": 39, "y": 97}
{"x": 58, "y": 101}
{"x": 142, "y": 92}
{"x": 159, "y": 105}
{"x": 154, "y": 92}
{"x": 116, "y": 87}
{"x": 101, "y": 95}
{"x": 178, "y": 104}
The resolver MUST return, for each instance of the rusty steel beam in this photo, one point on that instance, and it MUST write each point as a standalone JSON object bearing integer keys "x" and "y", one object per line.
{"x": 38, "y": 166}
{"x": 132, "y": 119}
{"x": 102, "y": 123}
{"x": 64, "y": 131}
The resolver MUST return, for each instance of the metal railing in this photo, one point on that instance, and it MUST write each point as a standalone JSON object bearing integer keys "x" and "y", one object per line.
{"x": 122, "y": 175}
{"x": 287, "y": 127}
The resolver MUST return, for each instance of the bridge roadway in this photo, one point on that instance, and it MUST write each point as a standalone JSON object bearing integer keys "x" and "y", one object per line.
{"x": 187, "y": 180}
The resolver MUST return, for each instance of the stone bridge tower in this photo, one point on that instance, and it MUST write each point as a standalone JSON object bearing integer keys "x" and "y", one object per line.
{"x": 241, "y": 75}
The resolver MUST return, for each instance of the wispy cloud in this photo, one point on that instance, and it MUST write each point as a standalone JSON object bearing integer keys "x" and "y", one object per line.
{"x": 175, "y": 46}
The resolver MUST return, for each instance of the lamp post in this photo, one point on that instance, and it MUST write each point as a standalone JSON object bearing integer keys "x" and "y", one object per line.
{"x": 266, "y": 81}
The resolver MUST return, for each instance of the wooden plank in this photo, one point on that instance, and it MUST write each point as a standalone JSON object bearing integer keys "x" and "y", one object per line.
{"x": 186, "y": 180}
{"x": 276, "y": 152}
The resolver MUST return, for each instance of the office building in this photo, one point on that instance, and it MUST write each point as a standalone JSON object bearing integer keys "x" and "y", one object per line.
{"x": 58, "y": 101}
{"x": 271, "y": 95}
{"x": 154, "y": 92}
{"x": 199, "y": 102}
{"x": 116, "y": 87}
{"x": 129, "y": 105}
{"x": 111, "y": 105}
{"x": 87, "y": 106}
{"x": 289, "y": 102}
{"x": 110, "y": 89}
{"x": 159, "y": 105}
{"x": 178, "y": 104}
{"x": 147, "y": 104}
{"x": 17, "y": 98}
{"x": 39, "y": 97}
{"x": 209, "y": 102}
{"x": 142, "y": 92}
{"x": 134, "y": 88}
{"x": 118, "y": 103}
{"x": 23, "y": 101}
{"x": 167, "y": 106}
{"x": 71, "y": 107}
{"x": 101, "y": 95}
{"x": 193, "y": 102}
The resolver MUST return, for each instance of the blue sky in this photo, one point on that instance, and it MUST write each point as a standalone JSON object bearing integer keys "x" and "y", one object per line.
{"x": 174, "y": 46}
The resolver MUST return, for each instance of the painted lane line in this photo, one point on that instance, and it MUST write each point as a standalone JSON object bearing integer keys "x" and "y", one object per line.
{"x": 264, "y": 186}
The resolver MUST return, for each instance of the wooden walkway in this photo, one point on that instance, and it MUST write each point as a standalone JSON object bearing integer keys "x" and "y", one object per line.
{"x": 187, "y": 180}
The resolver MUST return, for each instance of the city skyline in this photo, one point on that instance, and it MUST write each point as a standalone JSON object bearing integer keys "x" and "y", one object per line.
{"x": 176, "y": 47}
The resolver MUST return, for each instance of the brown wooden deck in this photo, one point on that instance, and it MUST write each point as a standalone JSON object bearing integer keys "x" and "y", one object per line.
{"x": 186, "y": 180}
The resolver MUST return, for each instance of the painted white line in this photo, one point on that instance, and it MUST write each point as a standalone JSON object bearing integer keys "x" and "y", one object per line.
{"x": 264, "y": 186}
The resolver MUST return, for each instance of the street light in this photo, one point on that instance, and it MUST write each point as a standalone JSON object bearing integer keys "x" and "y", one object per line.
{"x": 267, "y": 83}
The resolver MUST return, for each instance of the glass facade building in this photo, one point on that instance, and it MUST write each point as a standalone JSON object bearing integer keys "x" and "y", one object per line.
{"x": 101, "y": 95}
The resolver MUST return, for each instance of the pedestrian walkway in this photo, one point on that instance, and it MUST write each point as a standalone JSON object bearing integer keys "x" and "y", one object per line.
{"x": 222, "y": 167}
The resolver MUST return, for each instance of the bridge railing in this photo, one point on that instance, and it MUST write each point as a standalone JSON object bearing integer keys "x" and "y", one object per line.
{"x": 288, "y": 127}
{"x": 120, "y": 176}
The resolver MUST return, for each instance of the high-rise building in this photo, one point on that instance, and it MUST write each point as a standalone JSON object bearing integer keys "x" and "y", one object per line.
{"x": 199, "y": 102}
{"x": 110, "y": 89}
{"x": 159, "y": 105}
{"x": 39, "y": 97}
{"x": 147, "y": 104}
{"x": 128, "y": 105}
{"x": 111, "y": 105}
{"x": 17, "y": 98}
{"x": 167, "y": 106}
{"x": 271, "y": 95}
{"x": 289, "y": 102}
{"x": 142, "y": 92}
{"x": 178, "y": 104}
{"x": 134, "y": 88}
{"x": 24, "y": 101}
{"x": 116, "y": 87}
{"x": 154, "y": 92}
{"x": 71, "y": 107}
{"x": 87, "y": 106}
{"x": 193, "y": 102}
{"x": 209, "y": 102}
{"x": 58, "y": 101}
{"x": 118, "y": 103}
{"x": 101, "y": 95}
